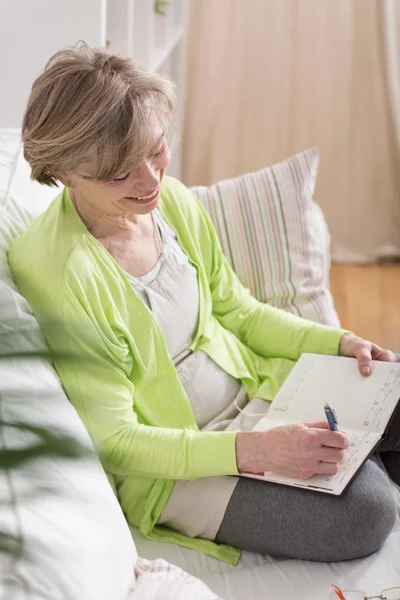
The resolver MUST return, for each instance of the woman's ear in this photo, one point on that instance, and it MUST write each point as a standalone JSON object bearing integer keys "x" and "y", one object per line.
{"x": 65, "y": 179}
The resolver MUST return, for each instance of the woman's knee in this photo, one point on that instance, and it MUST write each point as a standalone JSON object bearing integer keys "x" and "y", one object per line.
{"x": 369, "y": 513}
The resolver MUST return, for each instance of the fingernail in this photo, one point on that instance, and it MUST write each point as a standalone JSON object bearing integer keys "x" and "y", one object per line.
{"x": 366, "y": 370}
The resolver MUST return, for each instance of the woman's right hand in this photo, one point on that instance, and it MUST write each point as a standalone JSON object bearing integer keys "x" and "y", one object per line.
{"x": 300, "y": 450}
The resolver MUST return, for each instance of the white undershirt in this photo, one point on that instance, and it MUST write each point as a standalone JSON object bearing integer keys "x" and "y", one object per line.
{"x": 171, "y": 292}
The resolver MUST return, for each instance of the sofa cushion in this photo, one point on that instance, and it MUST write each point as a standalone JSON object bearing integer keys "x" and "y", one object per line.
{"x": 68, "y": 532}
{"x": 275, "y": 236}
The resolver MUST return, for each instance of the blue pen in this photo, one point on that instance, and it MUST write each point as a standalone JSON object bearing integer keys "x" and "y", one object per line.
{"x": 331, "y": 417}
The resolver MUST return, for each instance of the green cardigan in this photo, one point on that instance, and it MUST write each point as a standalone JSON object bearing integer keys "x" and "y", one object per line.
{"x": 124, "y": 384}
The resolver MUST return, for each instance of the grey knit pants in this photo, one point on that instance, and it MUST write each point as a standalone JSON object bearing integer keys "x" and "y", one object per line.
{"x": 289, "y": 522}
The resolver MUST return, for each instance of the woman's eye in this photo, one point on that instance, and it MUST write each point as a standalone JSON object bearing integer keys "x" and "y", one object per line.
{"x": 161, "y": 150}
{"x": 121, "y": 178}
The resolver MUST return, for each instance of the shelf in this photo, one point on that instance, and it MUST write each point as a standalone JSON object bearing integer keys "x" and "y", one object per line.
{"x": 156, "y": 42}
{"x": 163, "y": 53}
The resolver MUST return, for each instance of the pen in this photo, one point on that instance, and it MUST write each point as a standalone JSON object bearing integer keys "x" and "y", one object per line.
{"x": 331, "y": 417}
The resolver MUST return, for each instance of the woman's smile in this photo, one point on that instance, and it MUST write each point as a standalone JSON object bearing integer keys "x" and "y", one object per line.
{"x": 144, "y": 199}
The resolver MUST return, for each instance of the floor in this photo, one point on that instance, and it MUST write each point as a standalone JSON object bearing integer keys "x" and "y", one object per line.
{"x": 367, "y": 299}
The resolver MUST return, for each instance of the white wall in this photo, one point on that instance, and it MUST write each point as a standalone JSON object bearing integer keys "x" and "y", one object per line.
{"x": 30, "y": 32}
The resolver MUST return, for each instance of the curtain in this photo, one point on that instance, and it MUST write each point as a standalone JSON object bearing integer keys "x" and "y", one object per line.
{"x": 268, "y": 78}
{"x": 391, "y": 39}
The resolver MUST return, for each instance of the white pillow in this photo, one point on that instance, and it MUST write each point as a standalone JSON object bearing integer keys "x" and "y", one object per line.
{"x": 74, "y": 538}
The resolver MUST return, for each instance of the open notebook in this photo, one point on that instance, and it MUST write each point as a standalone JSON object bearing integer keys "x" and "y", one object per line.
{"x": 363, "y": 405}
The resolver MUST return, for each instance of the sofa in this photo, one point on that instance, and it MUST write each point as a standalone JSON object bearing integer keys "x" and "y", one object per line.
{"x": 63, "y": 534}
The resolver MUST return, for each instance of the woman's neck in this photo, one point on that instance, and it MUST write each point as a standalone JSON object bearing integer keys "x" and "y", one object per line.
{"x": 103, "y": 225}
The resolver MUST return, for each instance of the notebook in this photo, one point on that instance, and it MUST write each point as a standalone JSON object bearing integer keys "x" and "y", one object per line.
{"x": 364, "y": 407}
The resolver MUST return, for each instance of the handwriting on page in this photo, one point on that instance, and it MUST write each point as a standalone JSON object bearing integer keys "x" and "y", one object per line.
{"x": 360, "y": 402}
{"x": 383, "y": 397}
{"x": 361, "y": 444}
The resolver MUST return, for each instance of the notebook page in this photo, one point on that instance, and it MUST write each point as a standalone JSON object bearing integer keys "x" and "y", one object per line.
{"x": 360, "y": 402}
{"x": 362, "y": 444}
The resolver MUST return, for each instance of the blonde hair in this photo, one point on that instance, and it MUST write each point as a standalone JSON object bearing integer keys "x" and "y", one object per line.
{"x": 92, "y": 105}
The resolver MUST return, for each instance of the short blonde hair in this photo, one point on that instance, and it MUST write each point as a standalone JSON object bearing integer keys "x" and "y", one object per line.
{"x": 92, "y": 105}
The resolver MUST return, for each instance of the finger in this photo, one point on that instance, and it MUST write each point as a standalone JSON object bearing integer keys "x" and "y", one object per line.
{"x": 330, "y": 455}
{"x": 317, "y": 425}
{"x": 325, "y": 468}
{"x": 332, "y": 439}
{"x": 286, "y": 472}
{"x": 364, "y": 359}
{"x": 379, "y": 353}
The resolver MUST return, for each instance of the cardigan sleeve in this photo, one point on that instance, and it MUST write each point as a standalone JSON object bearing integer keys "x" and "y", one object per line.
{"x": 96, "y": 378}
{"x": 268, "y": 331}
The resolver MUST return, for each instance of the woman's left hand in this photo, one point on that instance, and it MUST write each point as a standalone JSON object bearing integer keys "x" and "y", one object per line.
{"x": 365, "y": 352}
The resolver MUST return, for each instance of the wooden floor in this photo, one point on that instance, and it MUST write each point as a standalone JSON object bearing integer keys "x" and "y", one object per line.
{"x": 367, "y": 299}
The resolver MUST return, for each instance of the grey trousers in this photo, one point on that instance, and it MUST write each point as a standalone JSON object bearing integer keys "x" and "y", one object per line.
{"x": 288, "y": 522}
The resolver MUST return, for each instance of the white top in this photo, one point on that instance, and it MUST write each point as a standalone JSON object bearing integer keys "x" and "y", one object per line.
{"x": 171, "y": 292}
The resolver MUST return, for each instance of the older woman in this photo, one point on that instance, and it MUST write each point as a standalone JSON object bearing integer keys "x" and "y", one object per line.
{"x": 124, "y": 272}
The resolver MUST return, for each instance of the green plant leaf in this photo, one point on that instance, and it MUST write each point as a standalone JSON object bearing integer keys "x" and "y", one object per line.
{"x": 160, "y": 7}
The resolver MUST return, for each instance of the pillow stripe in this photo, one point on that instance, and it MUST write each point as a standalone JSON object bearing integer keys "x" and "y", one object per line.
{"x": 243, "y": 227}
{"x": 291, "y": 294}
{"x": 265, "y": 265}
{"x": 300, "y": 171}
{"x": 275, "y": 236}
{"x": 261, "y": 241}
{"x": 282, "y": 284}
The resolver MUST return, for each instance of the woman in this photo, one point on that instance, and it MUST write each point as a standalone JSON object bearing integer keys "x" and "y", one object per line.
{"x": 167, "y": 341}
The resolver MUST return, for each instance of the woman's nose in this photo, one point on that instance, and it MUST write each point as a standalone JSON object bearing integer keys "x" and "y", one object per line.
{"x": 147, "y": 176}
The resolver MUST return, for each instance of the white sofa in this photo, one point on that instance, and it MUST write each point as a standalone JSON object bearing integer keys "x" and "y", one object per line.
{"x": 71, "y": 541}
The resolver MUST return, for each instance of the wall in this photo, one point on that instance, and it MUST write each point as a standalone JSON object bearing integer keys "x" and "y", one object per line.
{"x": 30, "y": 32}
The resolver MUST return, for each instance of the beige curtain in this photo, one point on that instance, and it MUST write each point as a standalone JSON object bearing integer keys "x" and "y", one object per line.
{"x": 268, "y": 78}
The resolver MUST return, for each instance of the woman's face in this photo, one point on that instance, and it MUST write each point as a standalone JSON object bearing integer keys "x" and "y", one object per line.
{"x": 135, "y": 193}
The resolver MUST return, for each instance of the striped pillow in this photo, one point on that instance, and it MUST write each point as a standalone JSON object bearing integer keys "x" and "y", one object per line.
{"x": 275, "y": 236}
